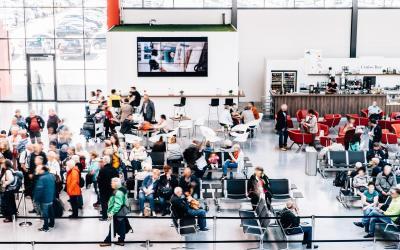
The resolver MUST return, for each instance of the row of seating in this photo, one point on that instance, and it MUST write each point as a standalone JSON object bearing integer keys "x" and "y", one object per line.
{"x": 342, "y": 160}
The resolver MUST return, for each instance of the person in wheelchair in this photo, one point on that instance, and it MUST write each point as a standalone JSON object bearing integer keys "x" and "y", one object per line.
{"x": 290, "y": 221}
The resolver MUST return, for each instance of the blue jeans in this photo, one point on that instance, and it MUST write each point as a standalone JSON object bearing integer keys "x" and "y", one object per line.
{"x": 47, "y": 212}
{"x": 200, "y": 214}
{"x": 228, "y": 164}
{"x": 307, "y": 238}
{"x": 366, "y": 212}
{"x": 283, "y": 135}
{"x": 136, "y": 165}
{"x": 372, "y": 221}
{"x": 142, "y": 200}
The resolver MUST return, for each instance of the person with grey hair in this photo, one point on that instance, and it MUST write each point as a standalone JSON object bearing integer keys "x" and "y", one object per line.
{"x": 281, "y": 126}
{"x": 106, "y": 173}
{"x": 117, "y": 211}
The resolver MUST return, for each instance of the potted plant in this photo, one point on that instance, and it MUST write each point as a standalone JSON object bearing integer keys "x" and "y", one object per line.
{"x": 181, "y": 92}
{"x": 230, "y": 92}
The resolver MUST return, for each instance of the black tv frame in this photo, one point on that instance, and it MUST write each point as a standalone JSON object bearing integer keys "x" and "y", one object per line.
{"x": 171, "y": 39}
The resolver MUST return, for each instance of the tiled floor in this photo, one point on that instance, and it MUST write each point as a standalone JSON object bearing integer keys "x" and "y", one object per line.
{"x": 319, "y": 199}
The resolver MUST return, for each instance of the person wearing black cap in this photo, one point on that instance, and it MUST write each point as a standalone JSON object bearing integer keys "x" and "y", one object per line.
{"x": 375, "y": 133}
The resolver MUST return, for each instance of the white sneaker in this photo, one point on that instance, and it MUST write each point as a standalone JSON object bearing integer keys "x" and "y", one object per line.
{"x": 141, "y": 214}
{"x": 153, "y": 214}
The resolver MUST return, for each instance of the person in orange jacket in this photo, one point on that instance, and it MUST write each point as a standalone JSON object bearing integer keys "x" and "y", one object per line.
{"x": 73, "y": 187}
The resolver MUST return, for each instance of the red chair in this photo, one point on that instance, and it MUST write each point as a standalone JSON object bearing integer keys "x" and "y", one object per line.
{"x": 331, "y": 120}
{"x": 385, "y": 124}
{"x": 289, "y": 121}
{"x": 301, "y": 114}
{"x": 324, "y": 128}
{"x": 340, "y": 140}
{"x": 325, "y": 141}
{"x": 362, "y": 121}
{"x": 396, "y": 128}
{"x": 394, "y": 116}
{"x": 364, "y": 112}
{"x": 389, "y": 138}
{"x": 394, "y": 122}
{"x": 299, "y": 138}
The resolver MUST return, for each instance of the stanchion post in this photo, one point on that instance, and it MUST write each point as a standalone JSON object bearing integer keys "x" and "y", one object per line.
{"x": 33, "y": 245}
{"x": 25, "y": 223}
{"x": 214, "y": 233}
{"x": 14, "y": 219}
{"x": 313, "y": 230}
{"x": 112, "y": 231}
{"x": 147, "y": 244}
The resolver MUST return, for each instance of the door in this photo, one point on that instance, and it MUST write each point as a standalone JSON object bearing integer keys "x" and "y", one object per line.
{"x": 41, "y": 77}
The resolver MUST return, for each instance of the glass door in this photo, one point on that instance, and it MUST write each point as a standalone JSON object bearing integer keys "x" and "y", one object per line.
{"x": 41, "y": 77}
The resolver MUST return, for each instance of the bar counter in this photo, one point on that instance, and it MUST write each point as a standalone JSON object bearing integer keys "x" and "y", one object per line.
{"x": 328, "y": 103}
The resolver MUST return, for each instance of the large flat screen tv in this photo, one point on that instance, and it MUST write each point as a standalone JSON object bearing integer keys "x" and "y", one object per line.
{"x": 172, "y": 56}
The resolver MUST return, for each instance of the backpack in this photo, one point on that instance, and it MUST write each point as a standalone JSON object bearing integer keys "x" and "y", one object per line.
{"x": 17, "y": 183}
{"x": 81, "y": 182}
{"x": 130, "y": 183}
{"x": 58, "y": 208}
{"x": 340, "y": 179}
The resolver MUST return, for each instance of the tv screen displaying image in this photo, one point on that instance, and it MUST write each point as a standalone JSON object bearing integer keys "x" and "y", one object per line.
{"x": 172, "y": 56}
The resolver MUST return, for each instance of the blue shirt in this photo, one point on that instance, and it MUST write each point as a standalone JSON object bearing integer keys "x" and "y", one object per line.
{"x": 370, "y": 196}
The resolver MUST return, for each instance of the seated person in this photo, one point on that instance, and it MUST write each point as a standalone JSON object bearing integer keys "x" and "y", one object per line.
{"x": 376, "y": 165}
{"x": 360, "y": 181}
{"x": 374, "y": 111}
{"x": 190, "y": 184}
{"x": 247, "y": 115}
{"x": 225, "y": 118}
{"x": 147, "y": 191}
{"x": 165, "y": 188}
{"x": 235, "y": 114}
{"x": 388, "y": 216}
{"x": 162, "y": 125}
{"x": 384, "y": 182}
{"x": 357, "y": 166}
{"x": 181, "y": 206}
{"x": 113, "y": 97}
{"x": 369, "y": 201}
{"x": 208, "y": 147}
{"x": 254, "y": 110}
{"x": 213, "y": 160}
{"x": 174, "y": 151}
{"x": 259, "y": 187}
{"x": 332, "y": 87}
{"x": 310, "y": 124}
{"x": 128, "y": 125}
{"x": 289, "y": 219}
{"x": 159, "y": 146}
{"x": 377, "y": 152}
{"x": 333, "y": 147}
{"x": 236, "y": 161}
{"x": 137, "y": 156}
{"x": 147, "y": 170}
{"x": 349, "y": 125}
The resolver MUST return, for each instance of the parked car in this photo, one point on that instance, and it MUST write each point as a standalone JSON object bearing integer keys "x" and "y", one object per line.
{"x": 99, "y": 42}
{"x": 68, "y": 30}
{"x": 73, "y": 47}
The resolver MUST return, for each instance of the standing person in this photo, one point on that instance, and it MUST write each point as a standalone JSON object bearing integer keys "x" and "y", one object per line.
{"x": 236, "y": 161}
{"x": 53, "y": 165}
{"x": 148, "y": 191}
{"x": 106, "y": 173}
{"x": 148, "y": 110}
{"x": 44, "y": 195}
{"x": 52, "y": 122}
{"x": 281, "y": 127}
{"x": 375, "y": 133}
{"x": 311, "y": 125}
{"x": 20, "y": 119}
{"x": 117, "y": 210}
{"x": 93, "y": 172}
{"x": 5, "y": 150}
{"x": 165, "y": 189}
{"x": 35, "y": 125}
{"x": 126, "y": 110}
{"x": 259, "y": 187}
{"x": 73, "y": 187}
{"x": 8, "y": 206}
{"x": 109, "y": 122}
{"x": 135, "y": 100}
{"x": 37, "y": 84}
{"x": 374, "y": 111}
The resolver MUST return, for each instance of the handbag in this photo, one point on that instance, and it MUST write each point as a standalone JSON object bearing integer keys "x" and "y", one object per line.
{"x": 124, "y": 211}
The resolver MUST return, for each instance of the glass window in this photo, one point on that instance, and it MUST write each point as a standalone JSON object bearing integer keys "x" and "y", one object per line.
{"x": 188, "y": 3}
{"x": 68, "y": 3}
{"x": 96, "y": 79}
{"x": 371, "y": 3}
{"x": 69, "y": 53}
{"x": 12, "y": 23}
{"x": 39, "y": 22}
{"x": 218, "y": 3}
{"x": 392, "y": 3}
{"x": 95, "y": 3}
{"x": 38, "y": 3}
{"x": 69, "y": 23}
{"x": 17, "y": 56}
{"x": 338, "y": 3}
{"x": 158, "y": 3}
{"x": 95, "y": 22}
{"x": 131, "y": 3}
{"x": 279, "y": 3}
{"x": 39, "y": 46}
{"x": 96, "y": 52}
{"x": 309, "y": 3}
{"x": 13, "y": 85}
{"x": 70, "y": 85}
{"x": 11, "y": 3}
{"x": 250, "y": 3}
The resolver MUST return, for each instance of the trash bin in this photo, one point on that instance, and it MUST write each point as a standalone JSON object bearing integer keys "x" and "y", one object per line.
{"x": 311, "y": 161}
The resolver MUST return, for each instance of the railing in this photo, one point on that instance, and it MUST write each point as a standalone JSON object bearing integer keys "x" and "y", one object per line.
{"x": 148, "y": 243}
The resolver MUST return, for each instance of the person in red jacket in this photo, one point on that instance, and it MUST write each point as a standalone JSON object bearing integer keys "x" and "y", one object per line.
{"x": 73, "y": 187}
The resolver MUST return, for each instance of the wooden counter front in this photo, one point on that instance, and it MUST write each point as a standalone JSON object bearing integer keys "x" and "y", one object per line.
{"x": 328, "y": 104}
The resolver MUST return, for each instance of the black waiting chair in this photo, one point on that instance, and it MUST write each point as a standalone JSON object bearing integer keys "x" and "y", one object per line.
{"x": 337, "y": 161}
{"x": 356, "y": 156}
{"x": 181, "y": 106}
{"x": 158, "y": 159}
{"x": 184, "y": 226}
{"x": 235, "y": 189}
{"x": 213, "y": 105}
{"x": 280, "y": 189}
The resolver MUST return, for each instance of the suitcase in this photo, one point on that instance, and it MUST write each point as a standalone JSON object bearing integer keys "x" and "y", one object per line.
{"x": 88, "y": 126}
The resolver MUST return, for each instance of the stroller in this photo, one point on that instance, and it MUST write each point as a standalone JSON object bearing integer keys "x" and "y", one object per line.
{"x": 93, "y": 127}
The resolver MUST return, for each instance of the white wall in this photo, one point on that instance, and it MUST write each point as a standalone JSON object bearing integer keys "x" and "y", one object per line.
{"x": 222, "y": 64}
{"x": 378, "y": 33}
{"x": 177, "y": 16}
{"x": 286, "y": 34}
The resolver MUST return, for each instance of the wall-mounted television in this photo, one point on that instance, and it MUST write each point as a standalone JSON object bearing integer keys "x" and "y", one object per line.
{"x": 172, "y": 56}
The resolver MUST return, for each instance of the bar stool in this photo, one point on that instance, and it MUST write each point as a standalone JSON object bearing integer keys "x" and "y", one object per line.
{"x": 180, "y": 106}
{"x": 229, "y": 102}
{"x": 213, "y": 105}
